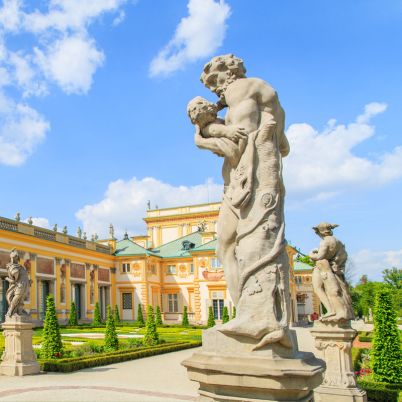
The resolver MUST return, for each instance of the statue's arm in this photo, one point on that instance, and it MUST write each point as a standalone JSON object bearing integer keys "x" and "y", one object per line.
{"x": 206, "y": 143}
{"x": 231, "y": 132}
{"x": 321, "y": 253}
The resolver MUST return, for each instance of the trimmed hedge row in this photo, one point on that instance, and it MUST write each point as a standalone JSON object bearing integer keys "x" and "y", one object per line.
{"x": 365, "y": 338}
{"x": 380, "y": 391}
{"x": 77, "y": 363}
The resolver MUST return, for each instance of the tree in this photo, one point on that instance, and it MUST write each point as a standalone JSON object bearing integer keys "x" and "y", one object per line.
{"x": 386, "y": 353}
{"x": 73, "y": 319}
{"x": 393, "y": 277}
{"x": 234, "y": 312}
{"x": 158, "y": 316}
{"x": 111, "y": 338}
{"x": 97, "y": 316}
{"x": 305, "y": 259}
{"x": 151, "y": 334}
{"x": 52, "y": 346}
{"x": 116, "y": 314}
{"x": 225, "y": 315}
{"x": 365, "y": 294}
{"x": 185, "y": 322}
{"x": 211, "y": 318}
{"x": 140, "y": 317}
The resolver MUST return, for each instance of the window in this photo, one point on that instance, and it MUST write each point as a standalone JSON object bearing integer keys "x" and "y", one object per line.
{"x": 217, "y": 305}
{"x": 215, "y": 263}
{"x": 153, "y": 269}
{"x": 173, "y": 303}
{"x": 171, "y": 269}
{"x": 298, "y": 280}
{"x": 191, "y": 268}
{"x": 127, "y": 301}
{"x": 126, "y": 267}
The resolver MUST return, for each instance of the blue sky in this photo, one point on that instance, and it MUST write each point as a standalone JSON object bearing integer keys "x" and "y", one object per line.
{"x": 93, "y": 123}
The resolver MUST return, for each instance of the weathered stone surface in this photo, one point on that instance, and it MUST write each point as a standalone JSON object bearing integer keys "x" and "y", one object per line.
{"x": 19, "y": 357}
{"x": 253, "y": 357}
{"x": 334, "y": 341}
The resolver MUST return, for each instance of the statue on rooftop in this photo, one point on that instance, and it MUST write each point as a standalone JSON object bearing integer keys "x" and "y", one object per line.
{"x": 18, "y": 286}
{"x": 329, "y": 275}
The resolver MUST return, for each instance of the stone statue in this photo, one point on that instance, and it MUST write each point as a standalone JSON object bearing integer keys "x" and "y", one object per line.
{"x": 18, "y": 288}
{"x": 254, "y": 356}
{"x": 329, "y": 275}
{"x": 55, "y": 227}
{"x": 84, "y": 235}
{"x": 30, "y": 221}
{"x": 17, "y": 217}
{"x": 65, "y": 230}
{"x": 251, "y": 227}
{"x": 79, "y": 232}
{"x": 148, "y": 205}
{"x": 111, "y": 231}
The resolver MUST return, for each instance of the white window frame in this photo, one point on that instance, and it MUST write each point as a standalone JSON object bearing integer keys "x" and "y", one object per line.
{"x": 173, "y": 303}
{"x": 125, "y": 267}
{"x": 171, "y": 269}
{"x": 215, "y": 263}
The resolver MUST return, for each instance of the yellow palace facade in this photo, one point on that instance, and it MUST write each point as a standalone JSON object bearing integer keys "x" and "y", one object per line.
{"x": 172, "y": 266}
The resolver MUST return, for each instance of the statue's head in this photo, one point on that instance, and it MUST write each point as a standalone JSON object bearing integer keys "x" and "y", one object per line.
{"x": 201, "y": 111}
{"x": 14, "y": 257}
{"x": 325, "y": 229}
{"x": 221, "y": 71}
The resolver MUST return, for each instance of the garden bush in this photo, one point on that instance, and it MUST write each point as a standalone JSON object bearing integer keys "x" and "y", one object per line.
{"x": 140, "y": 316}
{"x": 52, "y": 346}
{"x": 73, "y": 319}
{"x": 211, "y": 318}
{"x": 97, "y": 316}
{"x": 386, "y": 354}
{"x": 225, "y": 315}
{"x": 158, "y": 316}
{"x": 380, "y": 391}
{"x": 151, "y": 334}
{"x": 185, "y": 322}
{"x": 116, "y": 315}
{"x": 234, "y": 312}
{"x": 73, "y": 364}
{"x": 111, "y": 339}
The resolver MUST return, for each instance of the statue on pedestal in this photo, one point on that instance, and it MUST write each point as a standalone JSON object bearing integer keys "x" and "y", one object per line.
{"x": 254, "y": 356}
{"x": 329, "y": 275}
{"x": 18, "y": 279}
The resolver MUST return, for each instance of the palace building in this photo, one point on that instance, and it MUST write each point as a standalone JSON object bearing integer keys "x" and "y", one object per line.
{"x": 172, "y": 266}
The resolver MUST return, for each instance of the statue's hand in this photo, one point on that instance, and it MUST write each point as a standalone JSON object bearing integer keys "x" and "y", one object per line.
{"x": 235, "y": 133}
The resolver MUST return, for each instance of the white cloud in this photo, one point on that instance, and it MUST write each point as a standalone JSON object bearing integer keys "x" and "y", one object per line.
{"x": 372, "y": 263}
{"x": 323, "y": 164}
{"x": 41, "y": 222}
{"x": 22, "y": 129}
{"x": 125, "y": 202}
{"x": 71, "y": 62}
{"x": 59, "y": 50}
{"x": 198, "y": 35}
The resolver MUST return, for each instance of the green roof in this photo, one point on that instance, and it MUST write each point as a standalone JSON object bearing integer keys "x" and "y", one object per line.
{"x": 210, "y": 246}
{"x": 176, "y": 247}
{"x": 301, "y": 266}
{"x": 128, "y": 247}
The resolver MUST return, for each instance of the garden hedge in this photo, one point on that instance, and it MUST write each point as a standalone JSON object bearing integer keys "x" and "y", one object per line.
{"x": 79, "y": 363}
{"x": 380, "y": 391}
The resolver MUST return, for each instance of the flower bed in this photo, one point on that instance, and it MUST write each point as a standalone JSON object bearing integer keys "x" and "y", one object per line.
{"x": 73, "y": 364}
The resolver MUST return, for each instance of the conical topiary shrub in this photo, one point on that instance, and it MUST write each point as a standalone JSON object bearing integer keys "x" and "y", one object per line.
{"x": 185, "y": 322}
{"x": 52, "y": 346}
{"x": 97, "y": 316}
{"x": 225, "y": 315}
{"x": 386, "y": 355}
{"x": 116, "y": 315}
{"x": 211, "y": 318}
{"x": 111, "y": 339}
{"x": 151, "y": 334}
{"x": 73, "y": 319}
{"x": 140, "y": 317}
{"x": 234, "y": 312}
{"x": 158, "y": 316}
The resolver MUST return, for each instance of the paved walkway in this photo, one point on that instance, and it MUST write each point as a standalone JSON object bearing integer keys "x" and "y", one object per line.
{"x": 153, "y": 379}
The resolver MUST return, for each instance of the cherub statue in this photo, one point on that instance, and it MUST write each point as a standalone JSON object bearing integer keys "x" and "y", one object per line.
{"x": 19, "y": 286}
{"x": 329, "y": 275}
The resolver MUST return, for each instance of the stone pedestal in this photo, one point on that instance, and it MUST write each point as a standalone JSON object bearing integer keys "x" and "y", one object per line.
{"x": 228, "y": 370}
{"x": 19, "y": 357}
{"x": 339, "y": 383}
